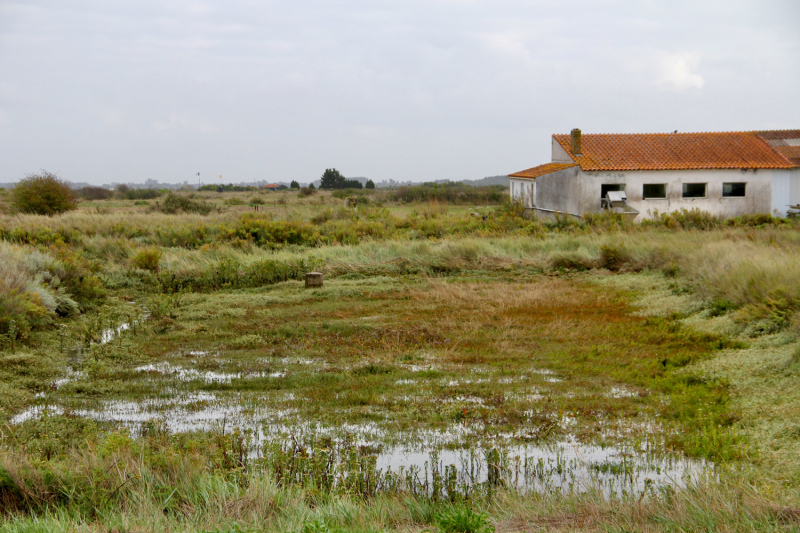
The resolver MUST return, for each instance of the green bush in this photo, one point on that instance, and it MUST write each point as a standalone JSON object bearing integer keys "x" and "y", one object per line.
{"x": 227, "y": 188}
{"x": 79, "y": 277}
{"x": 19, "y": 313}
{"x": 257, "y": 200}
{"x": 147, "y": 259}
{"x": 174, "y": 204}
{"x": 608, "y": 220}
{"x": 684, "y": 219}
{"x": 755, "y": 220}
{"x": 139, "y": 194}
{"x": 463, "y": 520}
{"x": 43, "y": 194}
{"x": 95, "y": 193}
{"x": 453, "y": 193}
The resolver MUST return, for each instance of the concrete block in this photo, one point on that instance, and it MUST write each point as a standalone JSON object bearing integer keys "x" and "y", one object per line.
{"x": 313, "y": 279}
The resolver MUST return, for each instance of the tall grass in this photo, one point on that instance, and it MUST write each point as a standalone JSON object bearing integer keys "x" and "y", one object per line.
{"x": 31, "y": 290}
{"x": 750, "y": 262}
{"x": 180, "y": 483}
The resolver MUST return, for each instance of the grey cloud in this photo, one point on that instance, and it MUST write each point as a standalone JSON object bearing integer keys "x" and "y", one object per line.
{"x": 110, "y": 91}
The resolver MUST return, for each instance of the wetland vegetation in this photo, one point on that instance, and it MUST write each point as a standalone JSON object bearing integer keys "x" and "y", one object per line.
{"x": 463, "y": 368}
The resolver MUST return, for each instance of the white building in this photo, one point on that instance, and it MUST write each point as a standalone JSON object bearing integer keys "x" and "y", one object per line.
{"x": 726, "y": 174}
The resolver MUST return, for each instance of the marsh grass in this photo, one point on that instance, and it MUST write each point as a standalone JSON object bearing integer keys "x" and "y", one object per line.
{"x": 179, "y": 484}
{"x": 430, "y": 319}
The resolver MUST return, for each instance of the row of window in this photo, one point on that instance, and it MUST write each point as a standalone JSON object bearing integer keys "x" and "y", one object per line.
{"x": 655, "y": 191}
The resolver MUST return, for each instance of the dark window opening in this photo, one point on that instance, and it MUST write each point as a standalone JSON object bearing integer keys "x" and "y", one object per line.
{"x": 610, "y": 187}
{"x": 733, "y": 190}
{"x": 654, "y": 190}
{"x": 694, "y": 190}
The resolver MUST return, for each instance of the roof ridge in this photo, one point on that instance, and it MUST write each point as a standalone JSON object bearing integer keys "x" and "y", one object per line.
{"x": 733, "y": 132}
{"x": 687, "y": 150}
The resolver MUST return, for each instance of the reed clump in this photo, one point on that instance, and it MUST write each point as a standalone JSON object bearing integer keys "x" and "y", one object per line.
{"x": 201, "y": 483}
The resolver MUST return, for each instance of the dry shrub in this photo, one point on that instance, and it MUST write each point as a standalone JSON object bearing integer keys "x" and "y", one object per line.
{"x": 174, "y": 204}
{"x": 43, "y": 194}
{"x": 614, "y": 256}
{"x": 577, "y": 259}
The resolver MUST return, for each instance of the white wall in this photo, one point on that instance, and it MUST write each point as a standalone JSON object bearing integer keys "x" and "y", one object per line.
{"x": 794, "y": 193}
{"x": 559, "y": 155}
{"x": 781, "y": 191}
{"x": 522, "y": 189}
{"x": 758, "y": 196}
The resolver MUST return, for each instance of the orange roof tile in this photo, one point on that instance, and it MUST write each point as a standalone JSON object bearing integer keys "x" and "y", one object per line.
{"x": 667, "y": 151}
{"x": 541, "y": 170}
{"x": 785, "y": 142}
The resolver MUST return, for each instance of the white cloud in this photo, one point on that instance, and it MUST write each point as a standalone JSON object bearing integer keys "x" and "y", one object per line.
{"x": 510, "y": 44}
{"x": 177, "y": 121}
{"x": 679, "y": 72}
{"x": 449, "y": 88}
{"x": 4, "y": 120}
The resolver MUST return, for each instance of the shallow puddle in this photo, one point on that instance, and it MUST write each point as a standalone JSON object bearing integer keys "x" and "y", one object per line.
{"x": 472, "y": 452}
{"x": 191, "y": 374}
{"x": 567, "y": 465}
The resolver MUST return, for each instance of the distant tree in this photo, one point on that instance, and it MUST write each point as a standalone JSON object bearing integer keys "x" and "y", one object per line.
{"x": 43, "y": 194}
{"x": 332, "y": 179}
{"x": 95, "y": 193}
{"x": 311, "y": 187}
{"x": 351, "y": 184}
{"x": 294, "y": 185}
{"x": 369, "y": 185}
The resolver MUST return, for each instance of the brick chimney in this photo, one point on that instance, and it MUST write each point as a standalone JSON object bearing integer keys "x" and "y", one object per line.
{"x": 576, "y": 141}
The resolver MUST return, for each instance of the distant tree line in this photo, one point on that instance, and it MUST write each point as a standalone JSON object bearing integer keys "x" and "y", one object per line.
{"x": 122, "y": 192}
{"x": 228, "y": 188}
{"x": 332, "y": 179}
{"x": 453, "y": 193}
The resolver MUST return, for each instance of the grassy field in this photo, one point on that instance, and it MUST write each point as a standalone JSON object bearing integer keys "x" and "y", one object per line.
{"x": 463, "y": 368}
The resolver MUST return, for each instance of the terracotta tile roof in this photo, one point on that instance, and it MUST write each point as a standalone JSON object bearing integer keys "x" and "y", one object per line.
{"x": 785, "y": 142}
{"x": 541, "y": 170}
{"x": 792, "y": 153}
{"x": 666, "y": 151}
{"x": 778, "y": 134}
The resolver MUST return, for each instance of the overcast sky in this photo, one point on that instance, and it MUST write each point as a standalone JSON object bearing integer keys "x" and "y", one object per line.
{"x": 104, "y": 91}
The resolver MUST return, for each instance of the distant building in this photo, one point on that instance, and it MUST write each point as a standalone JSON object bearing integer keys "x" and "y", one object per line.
{"x": 726, "y": 174}
{"x": 273, "y": 186}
